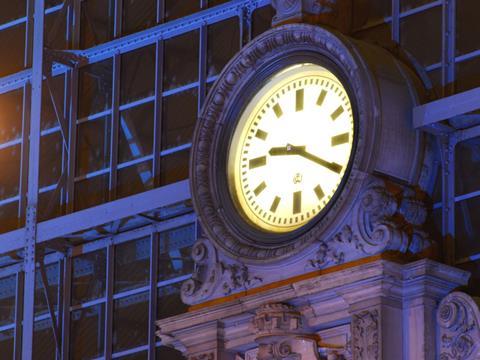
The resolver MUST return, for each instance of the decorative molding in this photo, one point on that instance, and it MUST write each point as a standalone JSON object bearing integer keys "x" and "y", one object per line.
{"x": 205, "y": 356}
{"x": 277, "y": 319}
{"x": 366, "y": 335}
{"x": 379, "y": 221}
{"x": 277, "y": 351}
{"x": 458, "y": 318}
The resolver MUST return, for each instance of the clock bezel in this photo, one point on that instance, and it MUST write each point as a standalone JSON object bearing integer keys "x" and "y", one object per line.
{"x": 236, "y": 217}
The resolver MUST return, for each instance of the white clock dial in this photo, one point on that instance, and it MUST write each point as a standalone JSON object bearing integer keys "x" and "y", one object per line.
{"x": 291, "y": 148}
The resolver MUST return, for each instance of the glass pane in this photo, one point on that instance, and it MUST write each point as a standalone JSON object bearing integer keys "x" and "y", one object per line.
{"x": 10, "y": 175}
{"x": 87, "y": 332}
{"x": 52, "y": 278}
{"x": 7, "y": 300}
{"x": 91, "y": 192}
{"x": 11, "y": 109}
{"x": 181, "y": 60}
{"x": 175, "y": 9}
{"x": 88, "y": 274}
{"x": 6, "y": 344}
{"x": 93, "y": 145}
{"x": 135, "y": 179}
{"x": 55, "y": 30}
{"x": 175, "y": 248}
{"x": 44, "y": 347}
{"x": 51, "y": 147}
{"x": 96, "y": 22}
{"x": 474, "y": 282}
{"x": 49, "y": 205}
{"x": 137, "y": 74}
{"x": 421, "y": 35}
{"x": 130, "y": 322}
{"x": 142, "y": 355}
{"x": 138, "y": 15}
{"x": 468, "y": 74}
{"x": 412, "y": 4}
{"x": 174, "y": 167}
{"x": 179, "y": 117}
{"x": 132, "y": 264}
{"x": 12, "y": 39}
{"x": 381, "y": 34}
{"x": 467, "y": 26}
{"x": 167, "y": 353}
{"x": 136, "y": 132}
{"x": 95, "y": 88}
{"x": 369, "y": 12}
{"x": 14, "y": 10}
{"x": 9, "y": 217}
{"x": 262, "y": 20}
{"x": 212, "y": 3}
{"x": 169, "y": 302}
{"x": 223, "y": 42}
{"x": 467, "y": 161}
{"x": 49, "y": 118}
{"x": 467, "y": 231}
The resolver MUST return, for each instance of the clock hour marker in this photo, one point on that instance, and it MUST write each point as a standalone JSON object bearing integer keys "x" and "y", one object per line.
{"x": 340, "y": 139}
{"x": 297, "y": 202}
{"x": 261, "y": 134}
{"x": 277, "y": 110}
{"x": 257, "y": 162}
{"x": 319, "y": 192}
{"x": 260, "y": 188}
{"x": 321, "y": 97}
{"x": 337, "y": 113}
{"x": 275, "y": 203}
{"x": 299, "y": 100}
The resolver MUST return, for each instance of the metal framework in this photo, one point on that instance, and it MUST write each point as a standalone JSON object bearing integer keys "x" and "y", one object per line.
{"x": 40, "y": 244}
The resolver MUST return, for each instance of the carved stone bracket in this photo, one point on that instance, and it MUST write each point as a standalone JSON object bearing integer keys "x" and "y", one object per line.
{"x": 380, "y": 221}
{"x": 212, "y": 273}
{"x": 366, "y": 335}
{"x": 458, "y": 318}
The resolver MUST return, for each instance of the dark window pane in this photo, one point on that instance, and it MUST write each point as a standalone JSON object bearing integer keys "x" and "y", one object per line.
{"x": 472, "y": 267}
{"x": 51, "y": 147}
{"x": 6, "y": 344}
{"x": 55, "y": 30}
{"x": 49, "y": 205}
{"x": 175, "y": 9}
{"x": 181, "y": 60}
{"x": 91, "y": 192}
{"x": 96, "y": 22}
{"x": 467, "y": 231}
{"x": 467, "y": 160}
{"x": 12, "y": 39}
{"x": 10, "y": 176}
{"x": 142, "y": 355}
{"x": 412, "y": 4}
{"x": 7, "y": 300}
{"x": 138, "y": 15}
{"x": 52, "y": 278}
{"x": 49, "y": 118}
{"x": 368, "y": 12}
{"x": 262, "y": 20}
{"x": 136, "y": 132}
{"x": 174, "y": 167}
{"x": 223, "y": 42}
{"x": 14, "y": 10}
{"x": 179, "y": 117}
{"x": 11, "y": 108}
{"x": 175, "y": 248}
{"x": 164, "y": 352}
{"x": 95, "y": 88}
{"x": 380, "y": 34}
{"x": 421, "y": 35}
{"x": 135, "y": 179}
{"x": 132, "y": 264}
{"x": 467, "y": 26}
{"x": 212, "y": 3}
{"x": 138, "y": 74}
{"x": 169, "y": 302}
{"x": 9, "y": 216}
{"x": 130, "y": 322}
{"x": 88, "y": 274}
{"x": 468, "y": 74}
{"x": 87, "y": 332}
{"x": 93, "y": 145}
{"x": 43, "y": 341}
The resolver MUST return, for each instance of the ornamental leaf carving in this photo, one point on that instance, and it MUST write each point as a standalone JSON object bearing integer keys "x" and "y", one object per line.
{"x": 365, "y": 335}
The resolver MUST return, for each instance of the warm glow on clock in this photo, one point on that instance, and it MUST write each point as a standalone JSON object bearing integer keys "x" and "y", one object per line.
{"x": 291, "y": 148}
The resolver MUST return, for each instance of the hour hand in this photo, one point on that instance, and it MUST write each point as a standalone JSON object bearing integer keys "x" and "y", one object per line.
{"x": 286, "y": 150}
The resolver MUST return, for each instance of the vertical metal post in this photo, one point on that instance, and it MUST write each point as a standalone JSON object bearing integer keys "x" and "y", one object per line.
{"x": 33, "y": 171}
{"x": 66, "y": 291}
{"x": 447, "y": 146}
{"x": 448, "y": 47}
{"x": 109, "y": 302}
{"x": 60, "y": 303}
{"x": 152, "y": 311}
{"x": 114, "y": 127}
{"x": 202, "y": 66}
{"x": 157, "y": 127}
{"x": 22, "y": 191}
{"x": 396, "y": 21}
{"x": 18, "y": 316}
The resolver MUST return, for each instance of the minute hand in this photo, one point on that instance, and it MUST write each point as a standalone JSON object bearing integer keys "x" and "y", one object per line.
{"x": 329, "y": 165}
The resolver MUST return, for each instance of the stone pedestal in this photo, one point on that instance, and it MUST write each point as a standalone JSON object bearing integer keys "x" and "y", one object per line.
{"x": 373, "y": 309}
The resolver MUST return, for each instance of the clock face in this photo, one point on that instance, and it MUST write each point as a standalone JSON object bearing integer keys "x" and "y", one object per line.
{"x": 291, "y": 148}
